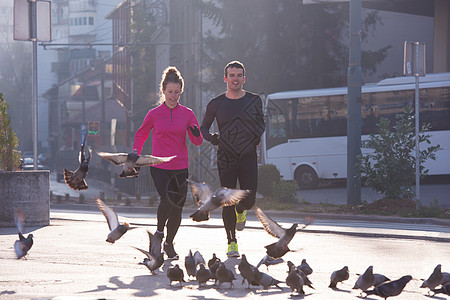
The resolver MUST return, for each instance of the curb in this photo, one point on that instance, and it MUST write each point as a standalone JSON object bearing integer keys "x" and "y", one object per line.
{"x": 272, "y": 213}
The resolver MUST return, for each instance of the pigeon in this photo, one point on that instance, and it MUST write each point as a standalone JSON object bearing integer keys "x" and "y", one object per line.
{"x": 379, "y": 279}
{"x": 264, "y": 279}
{"x": 212, "y": 260}
{"x": 434, "y": 280}
{"x": 175, "y": 274}
{"x": 245, "y": 268}
{"x": 132, "y": 160}
{"x": 224, "y": 275}
{"x": 22, "y": 245}
{"x": 268, "y": 261}
{"x": 305, "y": 278}
{"x": 390, "y": 289}
{"x": 75, "y": 179}
{"x": 213, "y": 268}
{"x": 295, "y": 281}
{"x": 280, "y": 248}
{"x": 209, "y": 201}
{"x": 305, "y": 268}
{"x": 198, "y": 258}
{"x": 339, "y": 276}
{"x": 445, "y": 278}
{"x": 155, "y": 257}
{"x": 189, "y": 264}
{"x": 445, "y": 289}
{"x": 192, "y": 261}
{"x": 117, "y": 230}
{"x": 365, "y": 280}
{"x": 203, "y": 274}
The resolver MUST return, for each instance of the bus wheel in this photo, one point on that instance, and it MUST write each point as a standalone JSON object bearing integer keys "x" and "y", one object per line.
{"x": 306, "y": 177}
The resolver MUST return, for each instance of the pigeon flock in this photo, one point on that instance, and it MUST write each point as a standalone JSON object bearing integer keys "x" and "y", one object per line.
{"x": 369, "y": 283}
{"x": 297, "y": 276}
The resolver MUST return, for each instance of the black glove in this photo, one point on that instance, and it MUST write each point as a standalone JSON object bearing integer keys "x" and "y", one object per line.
{"x": 214, "y": 139}
{"x": 195, "y": 131}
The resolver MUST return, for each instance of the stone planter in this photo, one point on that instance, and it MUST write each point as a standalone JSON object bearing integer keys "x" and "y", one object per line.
{"x": 26, "y": 190}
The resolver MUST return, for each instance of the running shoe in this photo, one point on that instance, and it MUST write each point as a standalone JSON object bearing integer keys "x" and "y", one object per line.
{"x": 240, "y": 220}
{"x": 233, "y": 250}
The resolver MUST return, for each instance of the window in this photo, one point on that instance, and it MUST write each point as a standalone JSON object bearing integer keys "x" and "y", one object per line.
{"x": 91, "y": 20}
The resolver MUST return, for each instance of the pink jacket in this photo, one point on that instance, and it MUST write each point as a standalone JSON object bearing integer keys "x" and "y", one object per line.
{"x": 169, "y": 134}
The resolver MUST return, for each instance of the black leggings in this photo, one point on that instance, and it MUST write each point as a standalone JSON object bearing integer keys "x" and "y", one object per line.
{"x": 231, "y": 170}
{"x": 172, "y": 189}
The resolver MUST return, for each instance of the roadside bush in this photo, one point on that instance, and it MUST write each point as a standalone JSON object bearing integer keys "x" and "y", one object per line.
{"x": 9, "y": 155}
{"x": 284, "y": 191}
{"x": 390, "y": 167}
{"x": 267, "y": 175}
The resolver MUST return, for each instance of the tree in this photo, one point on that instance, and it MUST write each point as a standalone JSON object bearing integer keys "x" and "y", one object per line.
{"x": 9, "y": 155}
{"x": 389, "y": 167}
{"x": 15, "y": 84}
{"x": 143, "y": 61}
{"x": 285, "y": 45}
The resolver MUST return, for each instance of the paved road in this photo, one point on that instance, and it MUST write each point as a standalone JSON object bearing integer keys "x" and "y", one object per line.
{"x": 70, "y": 258}
{"x": 332, "y": 193}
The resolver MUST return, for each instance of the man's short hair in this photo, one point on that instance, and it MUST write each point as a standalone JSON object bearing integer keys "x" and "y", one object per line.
{"x": 234, "y": 64}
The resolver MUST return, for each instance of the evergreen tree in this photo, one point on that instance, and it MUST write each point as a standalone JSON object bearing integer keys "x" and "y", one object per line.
{"x": 9, "y": 155}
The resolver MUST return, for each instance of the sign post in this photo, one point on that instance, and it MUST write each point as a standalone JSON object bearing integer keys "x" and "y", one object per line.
{"x": 414, "y": 65}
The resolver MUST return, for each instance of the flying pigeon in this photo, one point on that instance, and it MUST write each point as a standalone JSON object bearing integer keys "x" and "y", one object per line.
{"x": 390, "y": 289}
{"x": 280, "y": 248}
{"x": 132, "y": 160}
{"x": 155, "y": 257}
{"x": 223, "y": 274}
{"x": 175, "y": 274}
{"x": 434, "y": 280}
{"x": 22, "y": 245}
{"x": 75, "y": 179}
{"x": 209, "y": 201}
{"x": 295, "y": 281}
{"x": 339, "y": 276}
{"x": 268, "y": 261}
{"x": 264, "y": 279}
{"x": 117, "y": 230}
{"x": 365, "y": 280}
{"x": 445, "y": 289}
{"x": 245, "y": 268}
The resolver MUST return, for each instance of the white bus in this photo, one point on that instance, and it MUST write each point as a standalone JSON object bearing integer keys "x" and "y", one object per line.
{"x": 306, "y": 133}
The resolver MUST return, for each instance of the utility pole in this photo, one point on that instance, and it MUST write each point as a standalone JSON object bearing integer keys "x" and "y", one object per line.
{"x": 354, "y": 105}
{"x": 32, "y": 23}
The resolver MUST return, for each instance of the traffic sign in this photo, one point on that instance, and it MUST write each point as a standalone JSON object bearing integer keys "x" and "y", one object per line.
{"x": 93, "y": 128}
